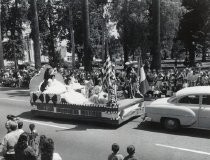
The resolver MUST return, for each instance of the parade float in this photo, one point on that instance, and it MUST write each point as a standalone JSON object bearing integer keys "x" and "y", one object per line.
{"x": 71, "y": 101}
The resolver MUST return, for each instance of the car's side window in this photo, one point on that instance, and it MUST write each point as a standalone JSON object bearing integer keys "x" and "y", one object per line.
{"x": 191, "y": 99}
{"x": 206, "y": 100}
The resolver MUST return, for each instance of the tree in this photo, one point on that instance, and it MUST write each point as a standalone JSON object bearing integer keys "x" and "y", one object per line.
{"x": 71, "y": 30}
{"x": 1, "y": 47}
{"x": 156, "y": 56}
{"x": 88, "y": 57}
{"x": 170, "y": 13}
{"x": 13, "y": 16}
{"x": 191, "y": 23}
{"x": 35, "y": 30}
{"x": 133, "y": 25}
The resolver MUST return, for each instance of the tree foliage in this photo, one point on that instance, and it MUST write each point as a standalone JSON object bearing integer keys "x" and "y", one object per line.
{"x": 13, "y": 16}
{"x": 191, "y": 23}
{"x": 133, "y": 19}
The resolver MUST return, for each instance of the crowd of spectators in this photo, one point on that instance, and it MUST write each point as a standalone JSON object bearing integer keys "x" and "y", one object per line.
{"x": 161, "y": 82}
{"x": 18, "y": 144}
{"x": 166, "y": 82}
{"x": 16, "y": 78}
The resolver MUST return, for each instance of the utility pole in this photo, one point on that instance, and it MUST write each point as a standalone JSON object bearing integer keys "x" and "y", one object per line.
{"x": 37, "y": 55}
{"x": 156, "y": 55}
{"x": 1, "y": 47}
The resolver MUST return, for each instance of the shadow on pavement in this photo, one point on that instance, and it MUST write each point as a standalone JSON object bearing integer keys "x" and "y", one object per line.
{"x": 156, "y": 127}
{"x": 83, "y": 126}
{"x": 15, "y": 91}
{"x": 11, "y": 89}
{"x": 19, "y": 93}
{"x": 79, "y": 124}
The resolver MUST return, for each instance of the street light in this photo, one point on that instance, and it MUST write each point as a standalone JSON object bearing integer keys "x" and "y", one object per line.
{"x": 13, "y": 45}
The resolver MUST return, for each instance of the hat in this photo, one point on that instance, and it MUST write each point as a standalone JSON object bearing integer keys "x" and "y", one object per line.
{"x": 135, "y": 66}
{"x": 127, "y": 63}
{"x": 10, "y": 117}
{"x": 131, "y": 149}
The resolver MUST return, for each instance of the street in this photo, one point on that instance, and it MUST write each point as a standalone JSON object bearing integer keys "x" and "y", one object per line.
{"x": 80, "y": 140}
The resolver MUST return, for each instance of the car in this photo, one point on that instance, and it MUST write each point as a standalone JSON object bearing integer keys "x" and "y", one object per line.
{"x": 189, "y": 107}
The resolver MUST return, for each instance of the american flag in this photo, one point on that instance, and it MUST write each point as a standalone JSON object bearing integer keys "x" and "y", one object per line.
{"x": 109, "y": 78}
{"x": 108, "y": 73}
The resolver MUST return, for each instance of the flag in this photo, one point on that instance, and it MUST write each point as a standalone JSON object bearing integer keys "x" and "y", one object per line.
{"x": 109, "y": 79}
{"x": 107, "y": 69}
{"x": 143, "y": 83}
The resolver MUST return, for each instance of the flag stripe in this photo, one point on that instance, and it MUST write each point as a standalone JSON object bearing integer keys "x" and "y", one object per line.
{"x": 144, "y": 85}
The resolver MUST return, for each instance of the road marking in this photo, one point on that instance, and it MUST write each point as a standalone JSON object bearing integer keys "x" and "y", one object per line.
{"x": 183, "y": 149}
{"x": 44, "y": 124}
{"x": 13, "y": 99}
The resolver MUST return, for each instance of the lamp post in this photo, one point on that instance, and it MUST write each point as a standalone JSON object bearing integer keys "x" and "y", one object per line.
{"x": 13, "y": 46}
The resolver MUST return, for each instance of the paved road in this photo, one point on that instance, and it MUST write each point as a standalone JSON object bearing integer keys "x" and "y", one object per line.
{"x": 76, "y": 141}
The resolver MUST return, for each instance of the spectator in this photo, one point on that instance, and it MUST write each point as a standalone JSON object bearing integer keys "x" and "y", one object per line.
{"x": 10, "y": 118}
{"x": 9, "y": 142}
{"x": 41, "y": 142}
{"x": 32, "y": 137}
{"x": 22, "y": 150}
{"x": 115, "y": 154}
{"x": 131, "y": 152}
{"x": 20, "y": 128}
{"x": 47, "y": 152}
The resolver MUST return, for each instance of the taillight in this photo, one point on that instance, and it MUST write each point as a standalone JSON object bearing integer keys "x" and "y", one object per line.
{"x": 141, "y": 105}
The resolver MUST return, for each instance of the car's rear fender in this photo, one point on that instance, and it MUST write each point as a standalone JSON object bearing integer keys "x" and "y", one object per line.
{"x": 185, "y": 115}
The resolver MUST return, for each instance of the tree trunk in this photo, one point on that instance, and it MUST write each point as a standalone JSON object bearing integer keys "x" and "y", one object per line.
{"x": 72, "y": 34}
{"x": 87, "y": 49}
{"x": 1, "y": 47}
{"x": 204, "y": 48}
{"x": 36, "y": 40}
{"x": 53, "y": 59}
{"x": 125, "y": 33}
{"x": 192, "y": 56}
{"x": 104, "y": 30}
{"x": 13, "y": 36}
{"x": 126, "y": 53}
{"x": 156, "y": 55}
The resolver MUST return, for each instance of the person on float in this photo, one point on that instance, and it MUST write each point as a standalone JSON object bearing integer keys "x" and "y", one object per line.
{"x": 69, "y": 93}
{"x": 98, "y": 96}
{"x": 132, "y": 79}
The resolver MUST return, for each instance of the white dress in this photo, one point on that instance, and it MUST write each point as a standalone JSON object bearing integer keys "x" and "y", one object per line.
{"x": 66, "y": 92}
{"x": 54, "y": 86}
{"x": 73, "y": 97}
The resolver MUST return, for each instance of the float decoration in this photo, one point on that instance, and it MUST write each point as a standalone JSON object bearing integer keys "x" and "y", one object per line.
{"x": 67, "y": 103}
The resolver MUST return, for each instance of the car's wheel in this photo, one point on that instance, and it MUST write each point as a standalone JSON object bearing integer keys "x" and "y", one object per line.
{"x": 171, "y": 124}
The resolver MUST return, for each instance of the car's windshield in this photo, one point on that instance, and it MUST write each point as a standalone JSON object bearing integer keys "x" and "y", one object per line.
{"x": 172, "y": 98}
